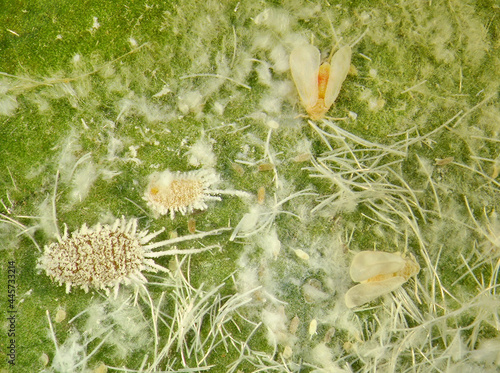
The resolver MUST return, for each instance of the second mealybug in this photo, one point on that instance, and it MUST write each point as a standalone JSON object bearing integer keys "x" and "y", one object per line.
{"x": 170, "y": 192}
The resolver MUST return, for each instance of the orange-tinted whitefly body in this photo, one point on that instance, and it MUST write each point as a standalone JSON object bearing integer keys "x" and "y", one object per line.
{"x": 318, "y": 84}
{"x": 170, "y": 192}
{"x": 379, "y": 273}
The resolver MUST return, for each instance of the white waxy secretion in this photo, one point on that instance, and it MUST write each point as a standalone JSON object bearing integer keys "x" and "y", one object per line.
{"x": 379, "y": 273}
{"x": 170, "y": 192}
{"x": 318, "y": 84}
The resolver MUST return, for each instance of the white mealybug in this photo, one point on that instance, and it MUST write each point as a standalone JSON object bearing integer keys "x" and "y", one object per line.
{"x": 170, "y": 192}
{"x": 106, "y": 256}
{"x": 318, "y": 85}
{"x": 379, "y": 273}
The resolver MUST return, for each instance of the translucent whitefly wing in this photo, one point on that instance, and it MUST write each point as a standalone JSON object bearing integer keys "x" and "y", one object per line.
{"x": 367, "y": 264}
{"x": 339, "y": 67}
{"x": 366, "y": 292}
{"x": 304, "y": 65}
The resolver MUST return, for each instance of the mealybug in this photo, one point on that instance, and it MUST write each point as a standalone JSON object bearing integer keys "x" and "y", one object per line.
{"x": 170, "y": 192}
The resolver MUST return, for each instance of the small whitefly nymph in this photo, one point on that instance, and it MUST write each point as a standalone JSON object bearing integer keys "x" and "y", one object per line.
{"x": 105, "y": 256}
{"x": 313, "y": 327}
{"x": 170, "y": 192}
{"x": 294, "y": 325}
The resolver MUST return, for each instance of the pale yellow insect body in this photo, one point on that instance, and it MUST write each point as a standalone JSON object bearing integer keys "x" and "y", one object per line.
{"x": 318, "y": 85}
{"x": 379, "y": 273}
